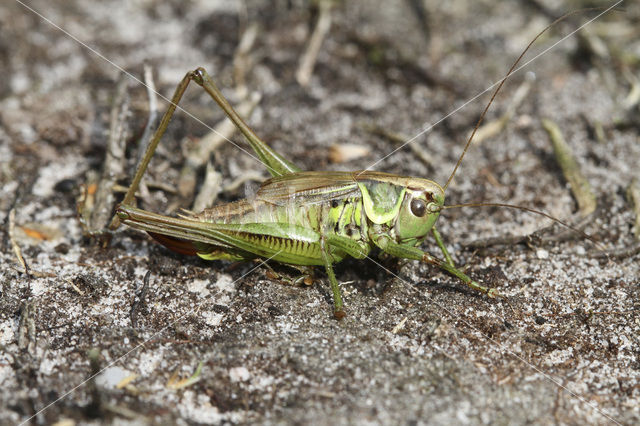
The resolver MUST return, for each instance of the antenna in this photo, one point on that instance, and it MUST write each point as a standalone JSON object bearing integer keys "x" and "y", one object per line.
{"x": 511, "y": 71}
{"x": 530, "y": 210}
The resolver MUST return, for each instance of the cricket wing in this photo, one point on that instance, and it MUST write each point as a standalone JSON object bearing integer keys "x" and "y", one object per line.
{"x": 305, "y": 188}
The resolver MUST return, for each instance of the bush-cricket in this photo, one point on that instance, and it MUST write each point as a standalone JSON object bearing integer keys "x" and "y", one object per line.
{"x": 307, "y": 218}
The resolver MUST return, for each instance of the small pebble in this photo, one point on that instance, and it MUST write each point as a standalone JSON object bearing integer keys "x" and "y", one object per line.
{"x": 542, "y": 254}
{"x": 239, "y": 374}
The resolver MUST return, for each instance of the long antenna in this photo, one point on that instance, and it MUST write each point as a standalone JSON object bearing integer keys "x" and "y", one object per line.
{"x": 511, "y": 71}
{"x": 530, "y": 210}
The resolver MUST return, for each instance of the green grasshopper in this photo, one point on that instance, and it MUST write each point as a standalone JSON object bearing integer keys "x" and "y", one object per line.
{"x": 305, "y": 218}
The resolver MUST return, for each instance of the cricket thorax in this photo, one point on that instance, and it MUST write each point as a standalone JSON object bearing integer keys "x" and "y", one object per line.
{"x": 406, "y": 208}
{"x": 346, "y": 217}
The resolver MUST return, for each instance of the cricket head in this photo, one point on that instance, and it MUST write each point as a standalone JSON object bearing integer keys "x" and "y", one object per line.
{"x": 419, "y": 211}
{"x": 409, "y": 206}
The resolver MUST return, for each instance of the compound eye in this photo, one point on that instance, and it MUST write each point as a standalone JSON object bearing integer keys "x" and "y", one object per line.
{"x": 418, "y": 207}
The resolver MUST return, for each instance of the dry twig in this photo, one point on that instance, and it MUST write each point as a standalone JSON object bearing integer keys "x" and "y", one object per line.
{"x": 564, "y": 156}
{"x": 308, "y": 60}
{"x": 114, "y": 160}
{"x": 14, "y": 244}
{"x": 633, "y": 194}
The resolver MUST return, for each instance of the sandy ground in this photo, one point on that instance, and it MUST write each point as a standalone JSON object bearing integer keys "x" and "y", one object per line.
{"x": 416, "y": 345}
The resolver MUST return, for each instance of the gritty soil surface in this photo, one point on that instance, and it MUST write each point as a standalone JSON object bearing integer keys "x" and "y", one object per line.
{"x": 84, "y": 340}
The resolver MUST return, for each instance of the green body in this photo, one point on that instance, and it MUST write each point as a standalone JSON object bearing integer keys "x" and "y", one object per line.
{"x": 290, "y": 216}
{"x": 301, "y": 218}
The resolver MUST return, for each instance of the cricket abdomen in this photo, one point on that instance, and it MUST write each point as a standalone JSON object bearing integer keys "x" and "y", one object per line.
{"x": 289, "y": 249}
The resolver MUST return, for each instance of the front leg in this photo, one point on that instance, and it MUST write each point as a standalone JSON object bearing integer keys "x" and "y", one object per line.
{"x": 389, "y": 246}
{"x": 443, "y": 248}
